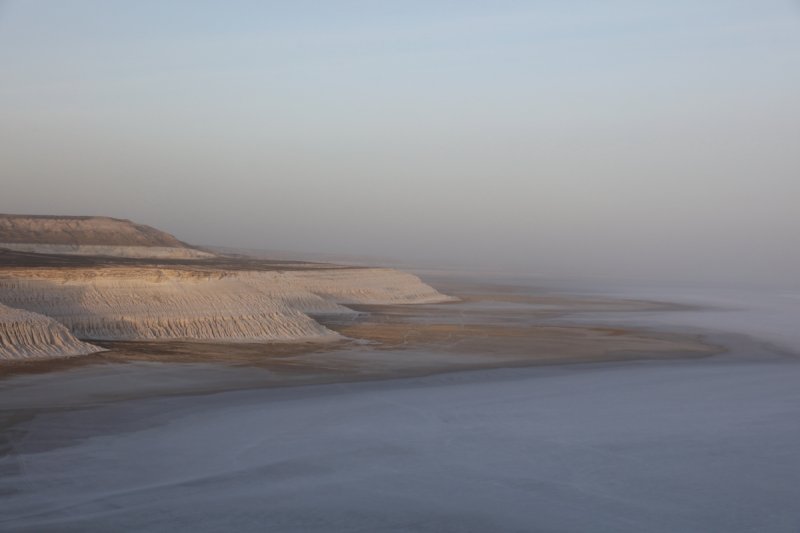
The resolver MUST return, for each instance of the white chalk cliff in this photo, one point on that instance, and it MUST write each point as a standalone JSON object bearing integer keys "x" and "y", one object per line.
{"x": 173, "y": 304}
{"x": 51, "y": 302}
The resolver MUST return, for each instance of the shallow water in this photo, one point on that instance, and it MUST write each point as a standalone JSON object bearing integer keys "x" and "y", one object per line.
{"x": 681, "y": 445}
{"x": 770, "y": 315}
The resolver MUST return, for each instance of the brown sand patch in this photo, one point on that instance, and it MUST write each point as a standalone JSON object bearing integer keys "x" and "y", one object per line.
{"x": 534, "y": 343}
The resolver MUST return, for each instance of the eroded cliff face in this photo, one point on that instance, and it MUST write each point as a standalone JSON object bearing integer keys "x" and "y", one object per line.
{"x": 172, "y": 304}
{"x": 54, "y": 299}
{"x": 26, "y": 335}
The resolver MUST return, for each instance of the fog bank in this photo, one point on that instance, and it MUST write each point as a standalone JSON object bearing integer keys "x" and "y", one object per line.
{"x": 624, "y": 140}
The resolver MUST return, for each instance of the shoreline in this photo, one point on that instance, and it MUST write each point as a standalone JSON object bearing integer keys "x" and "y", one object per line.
{"x": 378, "y": 340}
{"x": 101, "y": 382}
{"x": 239, "y": 378}
{"x": 569, "y": 430}
{"x": 488, "y": 326}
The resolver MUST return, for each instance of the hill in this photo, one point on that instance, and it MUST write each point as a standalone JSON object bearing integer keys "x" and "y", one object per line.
{"x": 88, "y": 235}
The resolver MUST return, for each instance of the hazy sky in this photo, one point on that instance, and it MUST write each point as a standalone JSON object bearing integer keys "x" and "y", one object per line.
{"x": 632, "y": 138}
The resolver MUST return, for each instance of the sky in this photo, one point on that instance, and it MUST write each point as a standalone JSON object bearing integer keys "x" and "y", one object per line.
{"x": 627, "y": 139}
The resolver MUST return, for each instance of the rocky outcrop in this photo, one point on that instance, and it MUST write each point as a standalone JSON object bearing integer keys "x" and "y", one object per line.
{"x": 156, "y": 303}
{"x": 91, "y": 236}
{"x": 26, "y": 335}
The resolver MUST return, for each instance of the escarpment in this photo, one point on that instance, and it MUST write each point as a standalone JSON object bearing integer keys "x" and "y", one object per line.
{"x": 139, "y": 283}
{"x": 166, "y": 306}
{"x": 171, "y": 304}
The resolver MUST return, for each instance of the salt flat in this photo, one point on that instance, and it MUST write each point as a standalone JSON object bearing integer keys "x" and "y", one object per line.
{"x": 672, "y": 445}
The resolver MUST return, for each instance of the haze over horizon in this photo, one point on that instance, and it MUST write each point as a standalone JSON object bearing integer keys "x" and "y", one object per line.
{"x": 622, "y": 139}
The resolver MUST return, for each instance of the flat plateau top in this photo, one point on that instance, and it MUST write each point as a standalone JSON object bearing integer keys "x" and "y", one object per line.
{"x": 82, "y": 230}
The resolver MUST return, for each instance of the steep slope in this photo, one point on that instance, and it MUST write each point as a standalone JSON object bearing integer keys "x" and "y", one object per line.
{"x": 154, "y": 303}
{"x": 26, "y": 335}
{"x": 90, "y": 236}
